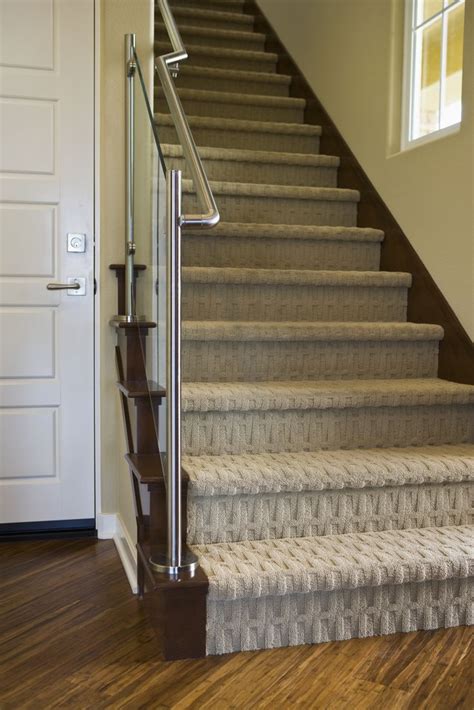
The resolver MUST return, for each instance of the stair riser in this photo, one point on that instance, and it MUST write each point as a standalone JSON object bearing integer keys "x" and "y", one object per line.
{"x": 252, "y": 42}
{"x": 244, "y": 86}
{"x": 316, "y": 617}
{"x": 219, "y": 361}
{"x": 262, "y": 253}
{"x": 253, "y": 432}
{"x": 250, "y": 302}
{"x": 215, "y": 22}
{"x": 267, "y": 516}
{"x": 262, "y": 173}
{"x": 280, "y": 210}
{"x": 245, "y": 140}
{"x": 243, "y": 111}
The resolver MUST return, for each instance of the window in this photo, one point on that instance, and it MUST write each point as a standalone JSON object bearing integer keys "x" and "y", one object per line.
{"x": 434, "y": 45}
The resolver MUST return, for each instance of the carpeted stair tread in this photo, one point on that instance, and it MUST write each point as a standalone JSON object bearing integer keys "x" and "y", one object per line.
{"x": 231, "y": 97}
{"x": 291, "y": 231}
{"x": 235, "y": 75}
{"x": 253, "y": 569}
{"x": 236, "y": 124}
{"x": 195, "y": 31}
{"x": 295, "y": 331}
{"x": 244, "y": 132}
{"x": 223, "y": 5}
{"x": 256, "y": 156}
{"x": 239, "y": 59}
{"x": 188, "y": 14}
{"x": 219, "y": 53}
{"x": 323, "y": 394}
{"x": 215, "y": 4}
{"x": 283, "y": 246}
{"x": 254, "y": 474}
{"x": 244, "y": 351}
{"x": 287, "y": 192}
{"x": 297, "y": 277}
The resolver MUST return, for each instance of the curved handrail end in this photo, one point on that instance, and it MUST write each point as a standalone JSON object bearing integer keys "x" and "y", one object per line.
{"x": 203, "y": 221}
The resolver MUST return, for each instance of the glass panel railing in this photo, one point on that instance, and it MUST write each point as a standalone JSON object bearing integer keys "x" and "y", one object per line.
{"x": 157, "y": 213}
{"x": 154, "y": 221}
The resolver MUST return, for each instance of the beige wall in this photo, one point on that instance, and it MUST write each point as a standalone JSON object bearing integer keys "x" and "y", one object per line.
{"x": 117, "y": 17}
{"x": 351, "y": 53}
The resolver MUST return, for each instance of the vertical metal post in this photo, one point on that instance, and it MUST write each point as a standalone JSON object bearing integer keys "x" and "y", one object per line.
{"x": 130, "y": 309}
{"x": 174, "y": 559}
{"x": 173, "y": 365}
{"x": 130, "y": 315}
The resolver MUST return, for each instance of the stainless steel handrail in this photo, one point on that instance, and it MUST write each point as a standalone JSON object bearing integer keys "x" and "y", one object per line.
{"x": 164, "y": 67}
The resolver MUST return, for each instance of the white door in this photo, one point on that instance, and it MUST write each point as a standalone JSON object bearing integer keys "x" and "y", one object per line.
{"x": 46, "y": 192}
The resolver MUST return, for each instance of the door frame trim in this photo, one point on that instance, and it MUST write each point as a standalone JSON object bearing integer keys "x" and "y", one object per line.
{"x": 96, "y": 261}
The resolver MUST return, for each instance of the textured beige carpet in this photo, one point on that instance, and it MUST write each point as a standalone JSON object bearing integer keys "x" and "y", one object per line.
{"x": 331, "y": 472}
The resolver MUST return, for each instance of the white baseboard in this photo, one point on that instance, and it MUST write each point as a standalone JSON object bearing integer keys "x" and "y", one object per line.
{"x": 111, "y": 527}
{"x": 106, "y": 526}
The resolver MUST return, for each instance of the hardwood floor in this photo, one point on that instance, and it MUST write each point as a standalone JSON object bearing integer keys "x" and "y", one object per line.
{"x": 72, "y": 635}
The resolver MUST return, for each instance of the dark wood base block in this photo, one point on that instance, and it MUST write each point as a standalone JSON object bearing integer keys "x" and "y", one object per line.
{"x": 176, "y": 609}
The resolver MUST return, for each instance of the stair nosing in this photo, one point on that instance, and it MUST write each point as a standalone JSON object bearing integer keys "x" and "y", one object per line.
{"x": 322, "y": 395}
{"x": 240, "y": 3}
{"x": 285, "y": 192}
{"x": 236, "y": 74}
{"x": 312, "y": 471}
{"x": 260, "y": 568}
{"x": 174, "y": 150}
{"x": 250, "y": 35}
{"x": 289, "y": 231}
{"x": 238, "y": 124}
{"x": 309, "y": 331}
{"x": 231, "y": 97}
{"x": 297, "y": 277}
{"x": 239, "y": 17}
{"x": 205, "y": 50}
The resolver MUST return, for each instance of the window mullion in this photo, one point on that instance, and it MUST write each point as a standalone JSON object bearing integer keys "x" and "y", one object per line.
{"x": 443, "y": 59}
{"x": 414, "y": 102}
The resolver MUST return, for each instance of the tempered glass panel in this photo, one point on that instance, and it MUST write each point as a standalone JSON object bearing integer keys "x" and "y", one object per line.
{"x": 426, "y": 9}
{"x": 159, "y": 247}
{"x": 150, "y": 237}
{"x": 426, "y": 79}
{"x": 451, "y": 103}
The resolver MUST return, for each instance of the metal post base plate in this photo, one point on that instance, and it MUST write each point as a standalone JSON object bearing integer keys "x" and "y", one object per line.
{"x": 116, "y": 320}
{"x": 160, "y": 562}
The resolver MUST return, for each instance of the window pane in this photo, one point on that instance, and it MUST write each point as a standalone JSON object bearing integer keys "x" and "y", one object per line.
{"x": 426, "y": 9}
{"x": 452, "y": 85}
{"x": 426, "y": 86}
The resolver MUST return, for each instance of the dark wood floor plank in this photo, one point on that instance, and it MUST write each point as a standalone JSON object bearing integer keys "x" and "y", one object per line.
{"x": 72, "y": 635}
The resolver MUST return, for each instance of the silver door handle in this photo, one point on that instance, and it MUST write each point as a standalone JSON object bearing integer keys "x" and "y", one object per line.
{"x": 64, "y": 287}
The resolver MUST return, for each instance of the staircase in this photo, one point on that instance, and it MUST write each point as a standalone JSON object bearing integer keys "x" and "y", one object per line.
{"x": 330, "y": 470}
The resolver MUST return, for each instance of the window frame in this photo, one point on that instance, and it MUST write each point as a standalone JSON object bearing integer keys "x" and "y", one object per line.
{"x": 409, "y": 69}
